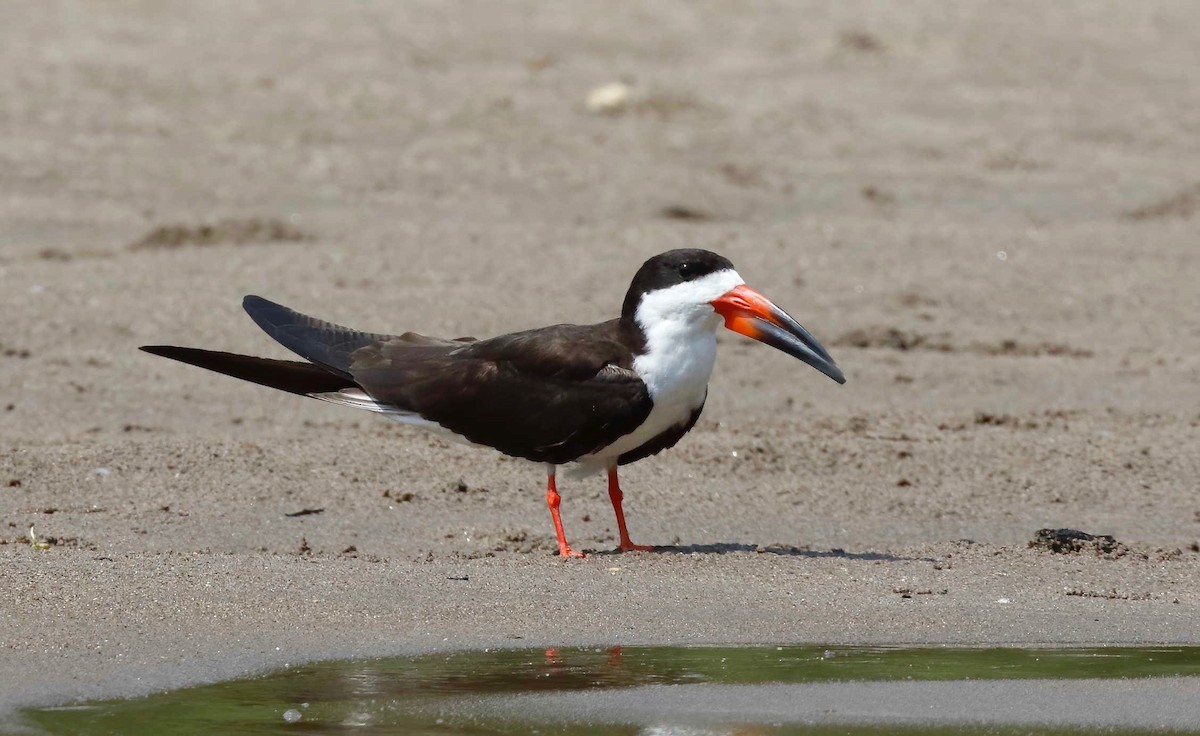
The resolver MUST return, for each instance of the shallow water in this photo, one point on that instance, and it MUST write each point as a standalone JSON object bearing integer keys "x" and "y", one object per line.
{"x": 445, "y": 693}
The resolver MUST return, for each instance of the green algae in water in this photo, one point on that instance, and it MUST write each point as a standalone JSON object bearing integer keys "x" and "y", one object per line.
{"x": 434, "y": 693}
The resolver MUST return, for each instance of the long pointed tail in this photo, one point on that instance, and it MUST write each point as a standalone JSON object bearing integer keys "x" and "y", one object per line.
{"x": 285, "y": 375}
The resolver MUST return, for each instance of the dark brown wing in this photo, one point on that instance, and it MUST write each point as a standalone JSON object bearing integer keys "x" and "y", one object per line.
{"x": 548, "y": 395}
{"x": 325, "y": 343}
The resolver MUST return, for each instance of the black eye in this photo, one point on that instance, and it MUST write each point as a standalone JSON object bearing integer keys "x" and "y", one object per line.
{"x": 687, "y": 270}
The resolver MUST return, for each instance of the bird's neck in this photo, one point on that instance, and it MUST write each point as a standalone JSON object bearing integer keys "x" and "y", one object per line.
{"x": 677, "y": 360}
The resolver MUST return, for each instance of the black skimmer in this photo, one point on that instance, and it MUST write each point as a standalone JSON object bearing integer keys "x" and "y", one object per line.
{"x": 599, "y": 395}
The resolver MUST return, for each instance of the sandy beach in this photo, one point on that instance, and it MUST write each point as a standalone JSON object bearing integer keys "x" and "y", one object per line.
{"x": 988, "y": 213}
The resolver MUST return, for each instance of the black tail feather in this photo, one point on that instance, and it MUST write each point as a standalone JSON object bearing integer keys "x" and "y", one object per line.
{"x": 285, "y": 375}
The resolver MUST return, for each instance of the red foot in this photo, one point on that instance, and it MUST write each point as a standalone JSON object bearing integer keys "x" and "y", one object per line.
{"x": 631, "y": 547}
{"x": 568, "y": 552}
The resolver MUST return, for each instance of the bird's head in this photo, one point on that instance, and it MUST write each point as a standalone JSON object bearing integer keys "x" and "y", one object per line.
{"x": 695, "y": 290}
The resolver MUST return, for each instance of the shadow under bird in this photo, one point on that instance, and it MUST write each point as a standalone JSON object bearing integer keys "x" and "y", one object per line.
{"x": 599, "y": 396}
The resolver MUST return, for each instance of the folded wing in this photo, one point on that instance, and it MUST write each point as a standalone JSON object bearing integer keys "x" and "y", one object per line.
{"x": 544, "y": 395}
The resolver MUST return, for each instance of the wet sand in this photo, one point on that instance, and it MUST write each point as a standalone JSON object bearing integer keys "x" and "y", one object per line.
{"x": 988, "y": 215}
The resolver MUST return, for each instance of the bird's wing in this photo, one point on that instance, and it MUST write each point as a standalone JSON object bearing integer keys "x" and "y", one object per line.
{"x": 548, "y": 395}
{"x": 324, "y": 343}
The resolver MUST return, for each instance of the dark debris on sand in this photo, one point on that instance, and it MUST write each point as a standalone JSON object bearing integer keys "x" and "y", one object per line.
{"x": 228, "y": 231}
{"x": 1073, "y": 541}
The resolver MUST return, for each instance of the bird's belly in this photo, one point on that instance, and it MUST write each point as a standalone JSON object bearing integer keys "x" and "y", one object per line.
{"x": 677, "y": 387}
{"x": 659, "y": 421}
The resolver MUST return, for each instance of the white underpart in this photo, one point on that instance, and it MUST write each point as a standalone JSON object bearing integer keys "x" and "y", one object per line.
{"x": 359, "y": 399}
{"x": 681, "y": 348}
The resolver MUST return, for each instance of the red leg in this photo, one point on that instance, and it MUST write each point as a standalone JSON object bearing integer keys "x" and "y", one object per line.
{"x": 615, "y": 495}
{"x": 552, "y": 500}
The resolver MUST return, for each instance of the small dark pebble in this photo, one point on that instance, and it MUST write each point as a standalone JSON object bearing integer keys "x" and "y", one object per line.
{"x": 305, "y": 512}
{"x": 681, "y": 212}
{"x": 876, "y": 195}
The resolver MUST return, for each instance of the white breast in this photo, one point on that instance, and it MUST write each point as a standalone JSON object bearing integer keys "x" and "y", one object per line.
{"x": 681, "y": 348}
{"x": 677, "y": 382}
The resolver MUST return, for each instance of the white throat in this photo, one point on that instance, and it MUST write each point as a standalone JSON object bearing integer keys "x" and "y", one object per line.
{"x": 680, "y": 326}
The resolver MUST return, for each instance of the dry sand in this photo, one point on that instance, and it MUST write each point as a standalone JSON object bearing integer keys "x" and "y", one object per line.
{"x": 987, "y": 211}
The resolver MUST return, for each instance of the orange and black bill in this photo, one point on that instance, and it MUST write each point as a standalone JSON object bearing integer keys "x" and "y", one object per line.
{"x": 753, "y": 315}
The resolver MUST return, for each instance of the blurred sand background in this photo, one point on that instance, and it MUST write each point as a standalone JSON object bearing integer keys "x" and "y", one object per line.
{"x": 987, "y": 211}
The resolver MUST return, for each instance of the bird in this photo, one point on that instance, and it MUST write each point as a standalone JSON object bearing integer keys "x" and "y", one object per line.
{"x": 591, "y": 397}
